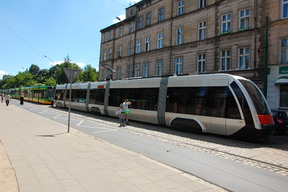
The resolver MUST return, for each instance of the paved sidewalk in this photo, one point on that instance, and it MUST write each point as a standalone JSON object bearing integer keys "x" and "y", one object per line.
{"x": 46, "y": 158}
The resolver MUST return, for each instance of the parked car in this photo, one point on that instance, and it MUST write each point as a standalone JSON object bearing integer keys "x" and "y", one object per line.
{"x": 281, "y": 121}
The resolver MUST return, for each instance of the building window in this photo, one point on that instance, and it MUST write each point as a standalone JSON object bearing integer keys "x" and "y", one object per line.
{"x": 131, "y": 27}
{"x": 244, "y": 58}
{"x": 130, "y": 48}
{"x": 146, "y": 69}
{"x": 201, "y": 60}
{"x": 226, "y": 23}
{"x": 147, "y": 44}
{"x": 138, "y": 46}
{"x": 202, "y": 30}
{"x": 160, "y": 41}
{"x": 148, "y": 19}
{"x": 284, "y": 9}
{"x": 103, "y": 74}
{"x": 140, "y": 23}
{"x": 202, "y": 3}
{"x": 244, "y": 16}
{"x": 119, "y": 50}
{"x": 121, "y": 30}
{"x": 225, "y": 60}
{"x": 129, "y": 71}
{"x": 111, "y": 35}
{"x": 284, "y": 51}
{"x": 284, "y": 96}
{"x": 159, "y": 64}
{"x": 137, "y": 70}
{"x": 161, "y": 14}
{"x": 106, "y": 37}
{"x": 179, "y": 66}
{"x": 104, "y": 55}
{"x": 110, "y": 54}
{"x": 180, "y": 8}
{"x": 179, "y": 36}
{"x": 118, "y": 73}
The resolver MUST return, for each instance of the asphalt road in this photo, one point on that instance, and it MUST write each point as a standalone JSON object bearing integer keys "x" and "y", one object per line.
{"x": 229, "y": 174}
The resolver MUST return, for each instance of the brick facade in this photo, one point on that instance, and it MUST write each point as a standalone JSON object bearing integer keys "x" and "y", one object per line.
{"x": 233, "y": 38}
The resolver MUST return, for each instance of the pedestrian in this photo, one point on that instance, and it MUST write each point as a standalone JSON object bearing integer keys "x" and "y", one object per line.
{"x": 121, "y": 114}
{"x": 22, "y": 99}
{"x": 126, "y": 104}
{"x": 7, "y": 99}
{"x": 2, "y": 97}
{"x": 52, "y": 101}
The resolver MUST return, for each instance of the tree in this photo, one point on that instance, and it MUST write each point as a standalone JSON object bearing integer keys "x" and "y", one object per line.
{"x": 24, "y": 79}
{"x": 34, "y": 69}
{"x": 51, "y": 81}
{"x": 43, "y": 75}
{"x": 89, "y": 74}
{"x": 60, "y": 75}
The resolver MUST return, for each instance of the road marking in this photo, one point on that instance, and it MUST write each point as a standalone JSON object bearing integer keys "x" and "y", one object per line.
{"x": 105, "y": 131}
{"x": 57, "y": 116}
{"x": 80, "y": 123}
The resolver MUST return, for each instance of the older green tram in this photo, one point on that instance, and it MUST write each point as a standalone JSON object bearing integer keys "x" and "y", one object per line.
{"x": 38, "y": 94}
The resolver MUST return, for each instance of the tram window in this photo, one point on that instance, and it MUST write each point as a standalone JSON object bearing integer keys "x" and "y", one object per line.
{"x": 243, "y": 103}
{"x": 142, "y": 98}
{"x": 78, "y": 95}
{"x": 97, "y": 96}
{"x": 206, "y": 101}
{"x": 59, "y": 95}
{"x": 257, "y": 98}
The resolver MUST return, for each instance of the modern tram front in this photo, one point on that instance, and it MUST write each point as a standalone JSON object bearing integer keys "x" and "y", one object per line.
{"x": 258, "y": 117}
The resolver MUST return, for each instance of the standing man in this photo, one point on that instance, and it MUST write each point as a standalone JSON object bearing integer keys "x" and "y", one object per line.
{"x": 22, "y": 99}
{"x": 126, "y": 103}
{"x": 2, "y": 97}
{"x": 7, "y": 99}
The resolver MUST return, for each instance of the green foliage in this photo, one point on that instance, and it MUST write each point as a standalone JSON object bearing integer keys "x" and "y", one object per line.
{"x": 89, "y": 74}
{"x": 53, "y": 76}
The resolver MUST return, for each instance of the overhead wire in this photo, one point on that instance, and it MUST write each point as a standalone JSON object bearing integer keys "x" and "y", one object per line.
{"x": 20, "y": 38}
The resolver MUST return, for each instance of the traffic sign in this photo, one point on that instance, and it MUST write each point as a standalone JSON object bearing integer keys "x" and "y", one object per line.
{"x": 71, "y": 74}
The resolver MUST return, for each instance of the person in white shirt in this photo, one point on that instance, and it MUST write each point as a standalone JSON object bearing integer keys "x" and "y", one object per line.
{"x": 7, "y": 99}
{"x": 126, "y": 103}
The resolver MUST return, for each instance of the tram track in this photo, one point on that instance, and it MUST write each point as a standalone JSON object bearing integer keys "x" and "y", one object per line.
{"x": 190, "y": 144}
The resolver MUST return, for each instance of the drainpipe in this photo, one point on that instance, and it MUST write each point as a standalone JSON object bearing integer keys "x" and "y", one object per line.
{"x": 255, "y": 36}
{"x": 266, "y": 59}
{"x": 171, "y": 35}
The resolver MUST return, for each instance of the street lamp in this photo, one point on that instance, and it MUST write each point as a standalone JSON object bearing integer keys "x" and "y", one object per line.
{"x": 51, "y": 63}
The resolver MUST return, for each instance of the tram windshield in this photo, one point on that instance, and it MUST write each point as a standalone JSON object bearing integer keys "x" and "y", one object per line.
{"x": 257, "y": 97}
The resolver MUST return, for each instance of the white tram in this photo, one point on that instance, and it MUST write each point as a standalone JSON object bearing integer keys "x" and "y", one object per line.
{"x": 216, "y": 103}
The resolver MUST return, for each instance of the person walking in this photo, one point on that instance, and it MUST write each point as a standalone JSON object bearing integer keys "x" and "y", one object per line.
{"x": 126, "y": 104}
{"x": 2, "y": 97}
{"x": 22, "y": 99}
{"x": 52, "y": 101}
{"x": 7, "y": 99}
{"x": 121, "y": 114}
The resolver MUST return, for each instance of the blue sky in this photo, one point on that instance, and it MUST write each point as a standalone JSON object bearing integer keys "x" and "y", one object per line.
{"x": 30, "y": 29}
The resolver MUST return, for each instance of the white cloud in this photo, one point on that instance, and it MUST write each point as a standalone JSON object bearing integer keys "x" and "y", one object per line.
{"x": 56, "y": 63}
{"x": 81, "y": 64}
{"x": 134, "y": 1}
{"x": 2, "y": 73}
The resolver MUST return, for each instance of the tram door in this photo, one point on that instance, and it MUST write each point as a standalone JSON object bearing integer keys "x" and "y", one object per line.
{"x": 218, "y": 102}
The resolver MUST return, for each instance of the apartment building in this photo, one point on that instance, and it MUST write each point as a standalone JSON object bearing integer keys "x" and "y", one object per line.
{"x": 277, "y": 54}
{"x": 181, "y": 37}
